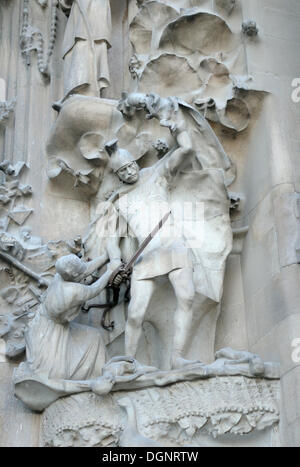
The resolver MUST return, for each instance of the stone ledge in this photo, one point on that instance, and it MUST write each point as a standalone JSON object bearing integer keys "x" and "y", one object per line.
{"x": 176, "y": 415}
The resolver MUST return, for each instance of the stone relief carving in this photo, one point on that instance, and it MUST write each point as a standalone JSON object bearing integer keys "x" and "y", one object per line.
{"x": 42, "y": 3}
{"x": 84, "y": 50}
{"x": 157, "y": 184}
{"x": 79, "y": 351}
{"x": 25, "y": 261}
{"x": 31, "y": 38}
{"x": 130, "y": 435}
{"x": 178, "y": 415}
{"x": 81, "y": 156}
{"x": 16, "y": 290}
{"x": 6, "y": 108}
{"x": 174, "y": 44}
{"x": 13, "y": 194}
{"x": 139, "y": 382}
{"x": 250, "y": 28}
{"x": 39, "y": 382}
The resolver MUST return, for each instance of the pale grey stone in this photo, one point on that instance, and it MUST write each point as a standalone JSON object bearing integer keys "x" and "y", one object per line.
{"x": 227, "y": 5}
{"x": 255, "y": 409}
{"x": 250, "y": 28}
{"x": 86, "y": 69}
{"x": 194, "y": 50}
{"x": 6, "y": 108}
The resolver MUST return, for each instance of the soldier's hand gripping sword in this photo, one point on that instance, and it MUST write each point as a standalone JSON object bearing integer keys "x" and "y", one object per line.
{"x": 122, "y": 273}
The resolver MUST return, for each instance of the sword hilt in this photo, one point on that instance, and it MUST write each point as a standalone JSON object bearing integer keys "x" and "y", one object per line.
{"x": 123, "y": 268}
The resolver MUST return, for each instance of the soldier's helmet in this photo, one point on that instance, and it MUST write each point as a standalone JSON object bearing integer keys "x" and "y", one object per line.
{"x": 118, "y": 157}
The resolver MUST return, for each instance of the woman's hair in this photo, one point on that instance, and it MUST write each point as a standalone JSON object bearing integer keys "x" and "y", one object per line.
{"x": 70, "y": 266}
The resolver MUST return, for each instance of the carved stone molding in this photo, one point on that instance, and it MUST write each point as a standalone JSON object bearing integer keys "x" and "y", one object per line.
{"x": 176, "y": 415}
{"x": 6, "y": 109}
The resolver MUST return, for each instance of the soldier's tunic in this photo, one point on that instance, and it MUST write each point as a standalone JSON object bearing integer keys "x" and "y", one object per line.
{"x": 202, "y": 241}
{"x": 142, "y": 209}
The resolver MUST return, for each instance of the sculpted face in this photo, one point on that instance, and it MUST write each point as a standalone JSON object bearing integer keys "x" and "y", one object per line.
{"x": 71, "y": 268}
{"x": 129, "y": 173}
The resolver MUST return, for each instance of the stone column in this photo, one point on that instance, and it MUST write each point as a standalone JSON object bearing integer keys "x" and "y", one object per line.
{"x": 269, "y": 259}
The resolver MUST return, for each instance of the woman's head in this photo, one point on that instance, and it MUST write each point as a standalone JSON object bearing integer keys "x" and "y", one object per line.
{"x": 71, "y": 268}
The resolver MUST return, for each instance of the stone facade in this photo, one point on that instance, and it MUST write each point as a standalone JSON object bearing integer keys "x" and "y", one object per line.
{"x": 202, "y": 96}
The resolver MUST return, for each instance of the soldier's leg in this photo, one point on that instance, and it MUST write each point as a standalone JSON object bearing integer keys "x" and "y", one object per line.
{"x": 183, "y": 285}
{"x": 141, "y": 293}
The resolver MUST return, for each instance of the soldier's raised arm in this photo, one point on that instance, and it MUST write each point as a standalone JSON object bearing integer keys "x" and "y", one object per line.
{"x": 180, "y": 155}
{"x": 171, "y": 163}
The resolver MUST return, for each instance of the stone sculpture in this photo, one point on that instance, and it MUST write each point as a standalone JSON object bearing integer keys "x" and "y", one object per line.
{"x": 250, "y": 28}
{"x": 176, "y": 43}
{"x": 130, "y": 436}
{"x": 32, "y": 39}
{"x": 84, "y": 50}
{"x": 78, "y": 350}
{"x": 155, "y": 378}
{"x": 190, "y": 413}
{"x": 181, "y": 255}
{"x": 62, "y": 356}
{"x": 6, "y": 108}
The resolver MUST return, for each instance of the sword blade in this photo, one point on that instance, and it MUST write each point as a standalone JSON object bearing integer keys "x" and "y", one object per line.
{"x": 146, "y": 242}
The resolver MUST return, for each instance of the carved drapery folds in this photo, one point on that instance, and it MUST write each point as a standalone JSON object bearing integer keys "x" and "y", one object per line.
{"x": 26, "y": 263}
{"x": 158, "y": 379}
{"x": 85, "y": 46}
{"x": 81, "y": 154}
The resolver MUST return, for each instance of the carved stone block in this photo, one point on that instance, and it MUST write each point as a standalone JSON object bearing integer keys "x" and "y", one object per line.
{"x": 178, "y": 415}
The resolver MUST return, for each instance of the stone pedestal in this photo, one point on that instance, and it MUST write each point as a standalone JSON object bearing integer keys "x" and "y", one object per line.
{"x": 220, "y": 411}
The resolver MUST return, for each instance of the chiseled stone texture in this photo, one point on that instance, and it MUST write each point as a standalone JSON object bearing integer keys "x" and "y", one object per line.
{"x": 223, "y": 407}
{"x": 261, "y": 290}
{"x": 19, "y": 426}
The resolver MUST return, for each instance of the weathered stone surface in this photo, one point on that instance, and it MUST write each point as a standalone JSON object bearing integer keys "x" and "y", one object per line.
{"x": 235, "y": 62}
{"x": 223, "y": 406}
{"x": 20, "y": 427}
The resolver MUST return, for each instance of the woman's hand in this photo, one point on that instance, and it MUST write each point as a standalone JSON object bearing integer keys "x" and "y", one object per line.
{"x": 114, "y": 264}
{"x": 121, "y": 275}
{"x": 118, "y": 279}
